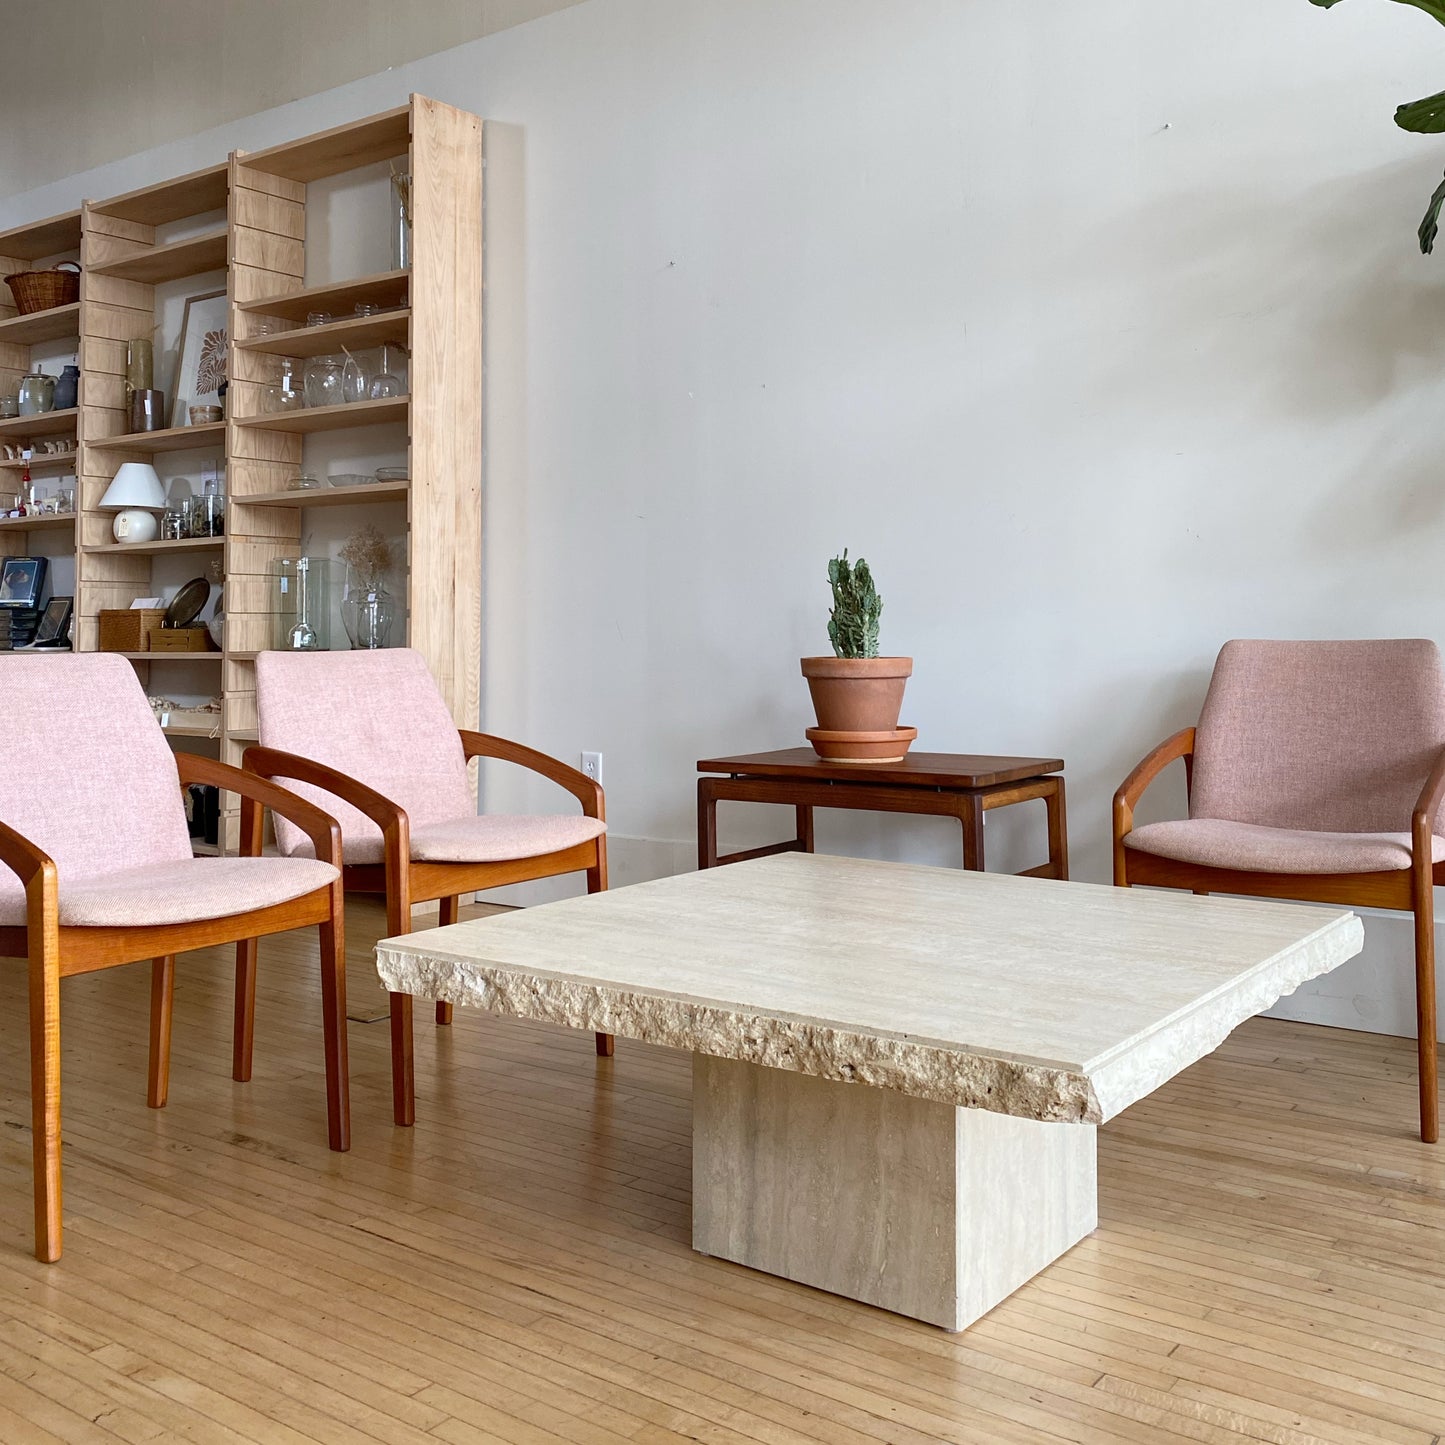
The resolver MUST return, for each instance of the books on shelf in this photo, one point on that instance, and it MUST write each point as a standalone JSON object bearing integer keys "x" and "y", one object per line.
{"x": 17, "y": 626}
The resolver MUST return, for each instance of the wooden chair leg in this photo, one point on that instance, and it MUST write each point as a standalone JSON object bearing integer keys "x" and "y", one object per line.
{"x": 1425, "y": 1022}
{"x": 333, "y": 1023}
{"x": 403, "y": 1066}
{"x": 158, "y": 1076}
{"x": 243, "y": 1033}
{"x": 597, "y": 883}
{"x": 45, "y": 1101}
{"x": 451, "y": 910}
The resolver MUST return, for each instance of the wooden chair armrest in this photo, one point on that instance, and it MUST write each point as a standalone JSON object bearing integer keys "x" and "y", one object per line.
{"x": 272, "y": 763}
{"x": 37, "y": 871}
{"x": 22, "y": 857}
{"x": 318, "y": 825}
{"x": 1426, "y": 806}
{"x": 1181, "y": 745}
{"x": 588, "y": 793}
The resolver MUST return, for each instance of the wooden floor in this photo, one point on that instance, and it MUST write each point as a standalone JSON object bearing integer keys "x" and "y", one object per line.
{"x": 1270, "y": 1263}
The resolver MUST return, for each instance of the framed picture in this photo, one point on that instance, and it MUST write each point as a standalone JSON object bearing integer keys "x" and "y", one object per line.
{"x": 54, "y": 629}
{"x": 21, "y": 581}
{"x": 205, "y": 344}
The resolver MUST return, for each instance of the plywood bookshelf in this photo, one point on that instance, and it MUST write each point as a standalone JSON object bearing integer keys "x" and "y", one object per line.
{"x": 40, "y": 245}
{"x": 128, "y": 246}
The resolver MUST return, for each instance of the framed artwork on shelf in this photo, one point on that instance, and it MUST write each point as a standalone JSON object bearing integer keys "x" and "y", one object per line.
{"x": 205, "y": 342}
{"x": 21, "y": 581}
{"x": 54, "y": 629}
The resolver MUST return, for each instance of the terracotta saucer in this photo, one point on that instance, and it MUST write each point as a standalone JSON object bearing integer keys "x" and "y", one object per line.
{"x": 888, "y": 746}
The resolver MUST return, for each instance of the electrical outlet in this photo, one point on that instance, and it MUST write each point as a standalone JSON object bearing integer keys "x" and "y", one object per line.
{"x": 592, "y": 766}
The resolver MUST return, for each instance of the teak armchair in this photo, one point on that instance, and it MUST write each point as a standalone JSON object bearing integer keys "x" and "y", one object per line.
{"x": 368, "y": 736}
{"x": 93, "y": 828}
{"x": 1316, "y": 772}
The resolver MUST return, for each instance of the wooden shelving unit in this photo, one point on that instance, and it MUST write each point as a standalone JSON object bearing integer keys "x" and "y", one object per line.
{"x": 179, "y": 259}
{"x": 331, "y": 418}
{"x": 37, "y": 246}
{"x": 53, "y": 324}
{"x": 209, "y": 436}
{"x": 42, "y": 424}
{"x": 388, "y": 288}
{"x": 248, "y": 216}
{"x": 332, "y": 496}
{"x": 155, "y": 549}
{"x": 43, "y": 523}
{"x": 355, "y": 332}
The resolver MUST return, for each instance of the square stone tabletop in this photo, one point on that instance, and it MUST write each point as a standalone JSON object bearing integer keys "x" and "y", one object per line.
{"x": 1025, "y": 996}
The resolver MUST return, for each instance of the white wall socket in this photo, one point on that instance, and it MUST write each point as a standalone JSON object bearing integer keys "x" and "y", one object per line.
{"x": 592, "y": 766}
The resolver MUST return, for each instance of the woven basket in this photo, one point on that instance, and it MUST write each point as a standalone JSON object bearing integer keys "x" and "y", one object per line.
{"x": 40, "y": 290}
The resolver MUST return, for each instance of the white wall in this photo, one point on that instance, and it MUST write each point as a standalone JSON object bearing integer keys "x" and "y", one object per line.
{"x": 88, "y": 81}
{"x": 1098, "y": 329}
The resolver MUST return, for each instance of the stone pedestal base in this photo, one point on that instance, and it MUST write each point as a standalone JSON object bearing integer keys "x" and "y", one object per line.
{"x": 921, "y": 1208}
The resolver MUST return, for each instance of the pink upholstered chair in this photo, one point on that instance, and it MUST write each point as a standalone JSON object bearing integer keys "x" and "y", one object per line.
{"x": 100, "y": 872}
{"x": 367, "y": 735}
{"x": 1316, "y": 772}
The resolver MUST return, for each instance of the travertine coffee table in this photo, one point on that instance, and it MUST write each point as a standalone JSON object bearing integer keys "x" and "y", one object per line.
{"x": 897, "y": 1070}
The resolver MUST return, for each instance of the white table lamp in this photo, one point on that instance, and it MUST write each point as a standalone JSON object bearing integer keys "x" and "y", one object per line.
{"x": 135, "y": 495}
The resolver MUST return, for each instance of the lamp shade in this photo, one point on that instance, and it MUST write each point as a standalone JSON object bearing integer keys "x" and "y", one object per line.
{"x": 135, "y": 485}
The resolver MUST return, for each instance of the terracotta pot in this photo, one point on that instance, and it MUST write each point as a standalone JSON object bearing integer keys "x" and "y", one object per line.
{"x": 858, "y": 695}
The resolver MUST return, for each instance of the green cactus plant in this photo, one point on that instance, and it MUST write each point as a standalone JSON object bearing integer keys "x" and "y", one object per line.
{"x": 853, "y": 622}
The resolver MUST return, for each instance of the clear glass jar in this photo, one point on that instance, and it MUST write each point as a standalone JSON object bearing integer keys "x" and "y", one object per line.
{"x": 324, "y": 381}
{"x": 302, "y": 615}
{"x": 287, "y": 393}
{"x": 367, "y": 611}
{"x": 400, "y": 220}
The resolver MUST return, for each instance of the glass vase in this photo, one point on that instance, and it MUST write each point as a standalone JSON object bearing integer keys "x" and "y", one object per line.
{"x": 400, "y": 220}
{"x": 367, "y": 613}
{"x": 302, "y": 617}
{"x": 324, "y": 381}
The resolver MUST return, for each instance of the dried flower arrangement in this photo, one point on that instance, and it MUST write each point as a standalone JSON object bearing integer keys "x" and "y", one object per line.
{"x": 369, "y": 554}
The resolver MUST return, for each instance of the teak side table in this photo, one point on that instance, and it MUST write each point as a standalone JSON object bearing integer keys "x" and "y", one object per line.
{"x": 951, "y": 785}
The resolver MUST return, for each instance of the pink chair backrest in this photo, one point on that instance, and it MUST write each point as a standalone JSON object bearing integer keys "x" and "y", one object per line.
{"x": 90, "y": 777}
{"x": 1337, "y": 737}
{"x": 376, "y": 716}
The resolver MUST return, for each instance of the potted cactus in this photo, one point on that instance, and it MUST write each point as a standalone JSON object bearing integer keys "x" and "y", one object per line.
{"x": 857, "y": 695}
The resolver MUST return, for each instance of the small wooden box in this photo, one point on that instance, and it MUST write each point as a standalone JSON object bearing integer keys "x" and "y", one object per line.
{"x": 179, "y": 639}
{"x": 125, "y": 629}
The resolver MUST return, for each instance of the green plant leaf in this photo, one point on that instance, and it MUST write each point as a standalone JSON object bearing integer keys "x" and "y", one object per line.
{"x": 1430, "y": 226}
{"x": 1434, "y": 8}
{"x": 1424, "y": 117}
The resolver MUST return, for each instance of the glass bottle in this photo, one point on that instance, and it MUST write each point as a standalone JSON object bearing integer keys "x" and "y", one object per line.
{"x": 386, "y": 382}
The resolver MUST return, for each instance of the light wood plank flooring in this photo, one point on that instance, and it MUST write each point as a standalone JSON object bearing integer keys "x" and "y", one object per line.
{"x": 1270, "y": 1263}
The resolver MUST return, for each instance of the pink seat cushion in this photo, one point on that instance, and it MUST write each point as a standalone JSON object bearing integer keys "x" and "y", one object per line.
{"x": 175, "y": 892}
{"x": 1216, "y": 843}
{"x": 1329, "y": 737}
{"x": 375, "y": 716}
{"x": 495, "y": 837}
{"x": 90, "y": 779}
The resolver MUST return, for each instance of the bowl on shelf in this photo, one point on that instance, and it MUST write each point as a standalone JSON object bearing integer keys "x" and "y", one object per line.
{"x": 350, "y": 479}
{"x": 393, "y": 474}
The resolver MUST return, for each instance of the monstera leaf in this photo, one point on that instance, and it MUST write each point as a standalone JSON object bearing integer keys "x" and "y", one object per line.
{"x": 1424, "y": 117}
